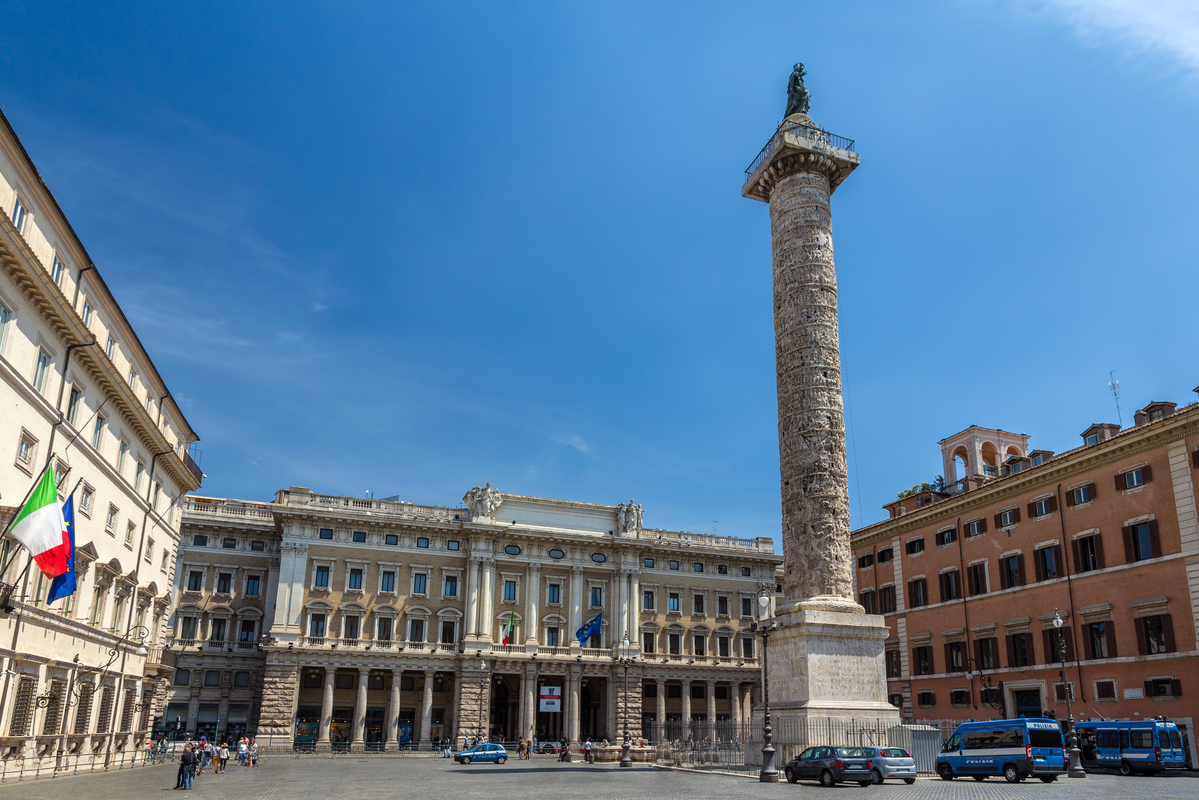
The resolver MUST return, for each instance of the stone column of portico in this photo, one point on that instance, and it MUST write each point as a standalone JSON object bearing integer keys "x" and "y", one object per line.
{"x": 392, "y": 722}
{"x": 326, "y": 706}
{"x": 530, "y": 701}
{"x": 686, "y": 693}
{"x": 661, "y": 709}
{"x": 576, "y": 605}
{"x": 359, "y": 727}
{"x": 426, "y": 709}
{"x": 451, "y": 711}
{"x": 486, "y": 606}
{"x": 572, "y": 729}
{"x": 522, "y": 709}
{"x": 472, "y": 598}
{"x": 735, "y": 707}
{"x": 826, "y": 656}
{"x": 532, "y": 600}
{"x": 711, "y": 709}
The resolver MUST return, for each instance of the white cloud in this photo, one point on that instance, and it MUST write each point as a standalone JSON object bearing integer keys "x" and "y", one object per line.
{"x": 1165, "y": 29}
{"x": 572, "y": 440}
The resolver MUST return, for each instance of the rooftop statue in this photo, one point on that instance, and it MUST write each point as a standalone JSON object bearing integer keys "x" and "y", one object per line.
{"x": 797, "y": 93}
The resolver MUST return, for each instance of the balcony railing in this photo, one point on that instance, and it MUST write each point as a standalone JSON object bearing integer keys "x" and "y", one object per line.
{"x": 221, "y": 508}
{"x": 817, "y": 136}
{"x": 193, "y": 468}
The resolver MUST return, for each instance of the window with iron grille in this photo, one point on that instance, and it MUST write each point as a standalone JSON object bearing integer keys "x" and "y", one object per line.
{"x": 127, "y": 710}
{"x": 22, "y": 713}
{"x": 54, "y": 709}
{"x": 147, "y": 703}
{"x": 84, "y": 712}
{"x": 105, "y": 720}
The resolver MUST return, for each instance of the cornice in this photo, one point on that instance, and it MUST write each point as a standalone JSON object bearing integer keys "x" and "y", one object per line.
{"x": 1062, "y": 468}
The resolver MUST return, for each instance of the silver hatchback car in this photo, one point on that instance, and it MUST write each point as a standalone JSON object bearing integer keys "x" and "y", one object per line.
{"x": 890, "y": 762}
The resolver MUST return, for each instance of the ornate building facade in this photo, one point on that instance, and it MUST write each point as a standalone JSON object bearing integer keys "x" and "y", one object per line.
{"x": 377, "y": 623}
{"x": 82, "y": 396}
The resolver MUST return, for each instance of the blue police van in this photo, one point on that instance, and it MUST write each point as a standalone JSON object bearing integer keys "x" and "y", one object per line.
{"x": 1013, "y": 748}
{"x": 1143, "y": 745}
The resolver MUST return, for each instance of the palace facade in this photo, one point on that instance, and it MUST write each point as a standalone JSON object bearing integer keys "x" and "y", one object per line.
{"x": 353, "y": 622}
{"x": 1104, "y": 538}
{"x": 81, "y": 396}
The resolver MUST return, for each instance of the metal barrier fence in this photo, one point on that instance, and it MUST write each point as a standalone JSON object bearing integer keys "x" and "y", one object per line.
{"x": 20, "y": 768}
{"x": 725, "y": 746}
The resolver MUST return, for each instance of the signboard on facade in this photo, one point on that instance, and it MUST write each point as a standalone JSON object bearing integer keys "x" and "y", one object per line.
{"x": 551, "y": 698}
{"x": 1134, "y": 694}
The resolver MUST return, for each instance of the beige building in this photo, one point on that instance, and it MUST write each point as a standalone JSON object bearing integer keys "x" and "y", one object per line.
{"x": 81, "y": 394}
{"x": 347, "y": 622}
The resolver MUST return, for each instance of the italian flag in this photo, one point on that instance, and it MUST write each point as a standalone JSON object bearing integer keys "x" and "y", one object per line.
{"x": 508, "y": 627}
{"x": 41, "y": 528}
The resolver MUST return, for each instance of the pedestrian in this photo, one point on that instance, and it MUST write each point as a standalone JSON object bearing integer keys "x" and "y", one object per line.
{"x": 186, "y": 761}
{"x": 447, "y": 749}
{"x": 254, "y": 752}
{"x": 224, "y": 756}
{"x": 587, "y": 751}
{"x": 243, "y": 750}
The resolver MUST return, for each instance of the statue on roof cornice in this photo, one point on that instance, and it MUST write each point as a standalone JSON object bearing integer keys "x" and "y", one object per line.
{"x": 483, "y": 502}
{"x": 628, "y": 517}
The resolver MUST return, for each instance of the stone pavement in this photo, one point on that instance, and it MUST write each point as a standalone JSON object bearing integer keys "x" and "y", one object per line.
{"x": 349, "y": 777}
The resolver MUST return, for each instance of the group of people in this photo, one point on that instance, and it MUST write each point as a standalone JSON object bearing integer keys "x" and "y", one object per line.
{"x": 196, "y": 757}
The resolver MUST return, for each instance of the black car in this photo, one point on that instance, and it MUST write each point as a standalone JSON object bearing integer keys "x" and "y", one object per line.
{"x": 830, "y": 766}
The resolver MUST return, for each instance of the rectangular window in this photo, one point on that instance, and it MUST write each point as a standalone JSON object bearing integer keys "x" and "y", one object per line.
{"x": 951, "y": 586}
{"x": 886, "y": 599}
{"x": 149, "y": 550}
{"x": 85, "y": 498}
{"x": 199, "y": 540}
{"x": 326, "y": 533}
{"x": 41, "y": 370}
{"x": 5, "y": 316}
{"x": 1007, "y": 518}
{"x": 73, "y": 405}
{"x": 217, "y": 633}
{"x": 1162, "y": 687}
{"x": 1101, "y": 640}
{"x": 866, "y": 560}
{"x": 246, "y": 634}
{"x": 697, "y": 567}
{"x": 166, "y": 559}
{"x": 1156, "y": 634}
{"x": 19, "y": 215}
{"x": 258, "y": 545}
{"x": 212, "y": 677}
{"x": 918, "y": 593}
{"x": 959, "y": 697}
{"x": 647, "y": 600}
{"x": 137, "y": 476}
{"x": 1020, "y": 650}
{"x": 86, "y": 315}
{"x": 597, "y": 596}
{"x": 449, "y": 632}
{"x": 223, "y": 581}
{"x": 699, "y": 643}
{"x": 885, "y": 555}
{"x": 722, "y": 606}
{"x": 130, "y": 529}
{"x": 391, "y": 539}
{"x": 316, "y": 626}
{"x": 866, "y": 598}
{"x": 893, "y": 664}
{"x": 723, "y": 569}
{"x": 509, "y": 591}
{"x": 1141, "y": 541}
{"x": 1132, "y": 478}
{"x": 350, "y": 627}
{"x": 188, "y": 627}
{"x": 321, "y": 577}
{"x": 416, "y": 630}
{"x": 360, "y": 536}
{"x": 1011, "y": 571}
{"x": 674, "y": 642}
{"x": 195, "y": 581}
{"x": 976, "y": 528}
{"x": 420, "y": 583}
{"x": 553, "y": 594}
{"x": 132, "y": 377}
{"x": 647, "y": 645}
{"x": 228, "y": 543}
{"x": 154, "y": 502}
{"x": 674, "y": 565}
{"x": 648, "y": 563}
{"x": 383, "y": 629}
{"x": 922, "y": 659}
{"x": 451, "y": 585}
{"x": 1049, "y": 563}
{"x": 747, "y": 647}
{"x": 387, "y": 581}
{"x": 422, "y": 542}
{"x": 253, "y": 584}
{"x": 551, "y": 636}
{"x": 672, "y": 601}
{"x": 697, "y": 604}
{"x": 110, "y": 347}
{"x": 57, "y": 268}
{"x": 745, "y": 572}
{"x": 354, "y": 580}
{"x": 747, "y": 607}
{"x": 110, "y": 521}
{"x": 1105, "y": 690}
{"x": 1043, "y": 507}
{"x": 452, "y": 544}
{"x": 122, "y": 451}
{"x": 955, "y": 656}
{"x": 915, "y": 546}
{"x": 946, "y": 537}
{"x": 976, "y": 574}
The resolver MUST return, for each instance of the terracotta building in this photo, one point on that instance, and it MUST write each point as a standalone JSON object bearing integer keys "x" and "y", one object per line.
{"x": 970, "y": 576}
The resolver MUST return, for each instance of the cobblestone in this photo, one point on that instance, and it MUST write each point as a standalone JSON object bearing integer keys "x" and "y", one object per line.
{"x": 350, "y": 777}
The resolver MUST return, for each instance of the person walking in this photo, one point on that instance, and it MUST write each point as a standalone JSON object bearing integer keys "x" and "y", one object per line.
{"x": 224, "y": 756}
{"x": 186, "y": 762}
{"x": 254, "y": 752}
{"x": 446, "y": 754}
{"x": 243, "y": 750}
{"x": 587, "y": 751}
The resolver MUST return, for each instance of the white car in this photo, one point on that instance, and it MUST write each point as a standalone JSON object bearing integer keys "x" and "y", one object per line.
{"x": 890, "y": 762}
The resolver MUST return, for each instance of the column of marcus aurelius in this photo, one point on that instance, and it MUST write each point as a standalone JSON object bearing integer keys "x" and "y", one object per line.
{"x": 826, "y": 657}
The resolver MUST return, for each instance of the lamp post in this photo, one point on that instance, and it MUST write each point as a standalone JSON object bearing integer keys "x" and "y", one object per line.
{"x": 1074, "y": 765}
{"x": 626, "y": 661}
{"x": 769, "y": 773}
{"x": 974, "y": 668}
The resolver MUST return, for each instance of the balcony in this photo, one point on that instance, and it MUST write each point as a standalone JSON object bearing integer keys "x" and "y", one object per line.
{"x": 193, "y": 468}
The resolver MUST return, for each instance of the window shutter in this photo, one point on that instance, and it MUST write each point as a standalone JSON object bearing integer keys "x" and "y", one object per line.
{"x": 1094, "y": 490}
{"x": 1039, "y": 565}
{"x": 1110, "y": 632}
{"x": 1088, "y": 652}
{"x": 1148, "y": 691}
{"x": 998, "y": 522}
{"x": 1015, "y": 515}
{"x": 1155, "y": 541}
{"x": 1032, "y": 654}
{"x": 911, "y": 587}
{"x": 1146, "y": 473}
{"x": 948, "y": 660}
{"x": 1128, "y": 546}
{"x": 1077, "y": 556}
{"x": 1058, "y": 563}
{"x": 1032, "y": 510}
{"x": 1011, "y": 650}
{"x": 1020, "y": 568}
{"x": 938, "y": 539}
{"x": 1003, "y": 574}
{"x": 1070, "y": 498}
{"x": 1121, "y": 484}
{"x": 978, "y": 652}
{"x": 941, "y": 581}
{"x": 1195, "y": 458}
{"x": 1099, "y": 550}
{"x": 1050, "y": 654}
{"x": 982, "y": 525}
{"x": 1168, "y": 630}
{"x": 1141, "y": 647}
{"x": 932, "y": 696}
{"x": 1069, "y": 634}
{"x": 971, "y": 586}
{"x": 1176, "y": 687}
{"x": 1052, "y": 503}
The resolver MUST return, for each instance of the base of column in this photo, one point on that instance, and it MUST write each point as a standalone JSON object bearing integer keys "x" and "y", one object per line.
{"x": 826, "y": 659}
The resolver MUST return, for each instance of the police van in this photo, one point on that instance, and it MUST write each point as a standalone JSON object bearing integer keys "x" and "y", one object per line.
{"x": 1143, "y": 745}
{"x": 1013, "y": 748}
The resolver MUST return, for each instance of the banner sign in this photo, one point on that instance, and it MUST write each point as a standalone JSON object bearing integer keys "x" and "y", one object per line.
{"x": 551, "y": 698}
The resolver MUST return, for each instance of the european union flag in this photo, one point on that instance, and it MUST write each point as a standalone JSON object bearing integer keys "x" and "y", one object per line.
{"x": 589, "y": 629}
{"x": 64, "y": 584}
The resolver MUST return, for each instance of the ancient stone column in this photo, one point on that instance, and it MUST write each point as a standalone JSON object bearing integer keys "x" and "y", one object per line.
{"x": 326, "y": 706}
{"x": 426, "y": 709}
{"x": 393, "y": 709}
{"x": 661, "y": 709}
{"x": 359, "y": 723}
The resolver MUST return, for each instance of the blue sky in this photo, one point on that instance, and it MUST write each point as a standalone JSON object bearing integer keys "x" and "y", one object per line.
{"x": 414, "y": 248}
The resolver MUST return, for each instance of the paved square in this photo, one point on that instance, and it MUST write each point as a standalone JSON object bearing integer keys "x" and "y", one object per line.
{"x": 440, "y": 779}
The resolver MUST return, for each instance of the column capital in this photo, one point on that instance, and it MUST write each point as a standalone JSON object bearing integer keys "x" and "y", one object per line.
{"x": 576, "y": 570}
{"x": 330, "y": 669}
{"x": 397, "y": 672}
{"x": 429, "y": 673}
{"x": 534, "y": 566}
{"x": 364, "y": 670}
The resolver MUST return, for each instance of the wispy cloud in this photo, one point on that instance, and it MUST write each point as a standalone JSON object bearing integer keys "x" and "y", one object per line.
{"x": 572, "y": 440}
{"x": 1161, "y": 29}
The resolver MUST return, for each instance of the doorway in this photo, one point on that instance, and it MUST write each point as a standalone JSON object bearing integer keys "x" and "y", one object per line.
{"x": 1028, "y": 703}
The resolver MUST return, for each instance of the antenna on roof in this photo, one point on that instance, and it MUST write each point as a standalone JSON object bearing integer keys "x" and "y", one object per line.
{"x": 1114, "y": 385}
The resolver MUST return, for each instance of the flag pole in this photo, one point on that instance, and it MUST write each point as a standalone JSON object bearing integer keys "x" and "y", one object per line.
{"x": 17, "y": 513}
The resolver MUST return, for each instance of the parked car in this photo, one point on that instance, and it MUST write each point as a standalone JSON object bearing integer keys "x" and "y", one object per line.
{"x": 890, "y": 762}
{"x": 829, "y": 765}
{"x": 483, "y": 752}
{"x": 1013, "y": 748}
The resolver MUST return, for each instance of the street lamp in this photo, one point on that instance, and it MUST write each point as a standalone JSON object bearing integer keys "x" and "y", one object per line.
{"x": 1074, "y": 766}
{"x": 626, "y": 661}
{"x": 769, "y": 773}
{"x": 973, "y": 668}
